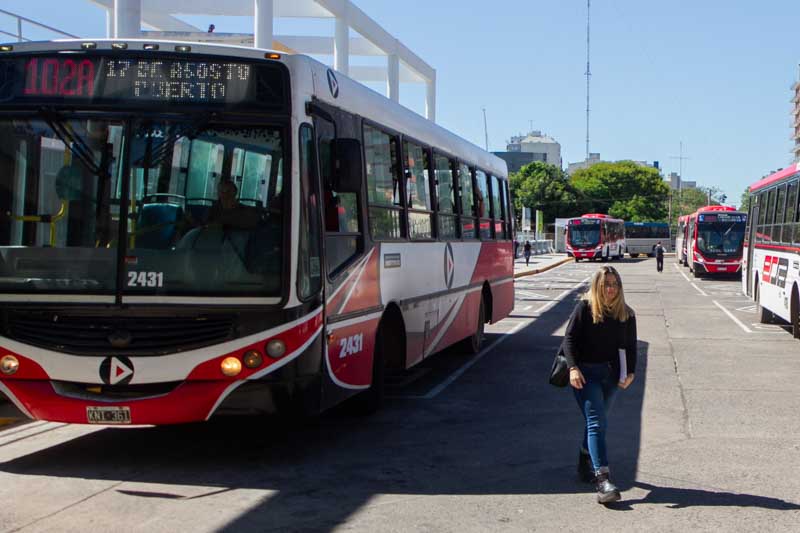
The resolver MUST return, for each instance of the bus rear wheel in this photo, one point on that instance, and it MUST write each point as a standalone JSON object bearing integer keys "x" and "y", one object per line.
{"x": 472, "y": 344}
{"x": 795, "y": 310}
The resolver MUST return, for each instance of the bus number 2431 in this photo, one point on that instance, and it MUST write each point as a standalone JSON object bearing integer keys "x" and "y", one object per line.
{"x": 351, "y": 345}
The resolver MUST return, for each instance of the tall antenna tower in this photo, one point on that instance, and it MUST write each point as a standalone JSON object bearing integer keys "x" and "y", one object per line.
{"x": 588, "y": 71}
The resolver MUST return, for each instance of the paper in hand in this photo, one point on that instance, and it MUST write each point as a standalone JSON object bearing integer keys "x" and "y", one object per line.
{"x": 623, "y": 365}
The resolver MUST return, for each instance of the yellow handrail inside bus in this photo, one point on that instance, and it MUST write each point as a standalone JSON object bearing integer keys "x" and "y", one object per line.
{"x": 45, "y": 219}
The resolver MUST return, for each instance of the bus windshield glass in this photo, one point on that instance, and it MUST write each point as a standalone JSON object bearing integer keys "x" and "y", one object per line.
{"x": 720, "y": 237}
{"x": 584, "y": 235}
{"x": 197, "y": 209}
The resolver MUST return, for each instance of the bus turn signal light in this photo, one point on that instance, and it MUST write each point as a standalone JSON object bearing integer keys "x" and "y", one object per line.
{"x": 230, "y": 367}
{"x": 253, "y": 359}
{"x": 9, "y": 365}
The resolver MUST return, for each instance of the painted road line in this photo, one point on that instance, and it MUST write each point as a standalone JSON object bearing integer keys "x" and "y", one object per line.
{"x": 730, "y": 315}
{"x": 699, "y": 289}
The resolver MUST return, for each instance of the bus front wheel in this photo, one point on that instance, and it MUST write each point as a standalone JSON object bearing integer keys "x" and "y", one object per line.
{"x": 765, "y": 316}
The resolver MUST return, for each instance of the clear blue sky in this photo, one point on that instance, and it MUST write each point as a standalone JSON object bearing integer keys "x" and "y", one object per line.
{"x": 715, "y": 74}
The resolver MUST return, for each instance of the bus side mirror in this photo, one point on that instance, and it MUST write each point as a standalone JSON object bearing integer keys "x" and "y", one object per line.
{"x": 347, "y": 165}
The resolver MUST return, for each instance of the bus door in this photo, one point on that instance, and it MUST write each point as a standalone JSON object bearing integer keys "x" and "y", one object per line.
{"x": 752, "y": 221}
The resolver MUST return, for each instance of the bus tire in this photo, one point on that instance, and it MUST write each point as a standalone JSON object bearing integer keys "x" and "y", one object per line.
{"x": 695, "y": 273}
{"x": 472, "y": 344}
{"x": 764, "y": 315}
{"x": 794, "y": 308}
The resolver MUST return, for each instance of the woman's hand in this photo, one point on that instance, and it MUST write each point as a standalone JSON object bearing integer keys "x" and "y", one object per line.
{"x": 576, "y": 378}
{"x": 627, "y": 382}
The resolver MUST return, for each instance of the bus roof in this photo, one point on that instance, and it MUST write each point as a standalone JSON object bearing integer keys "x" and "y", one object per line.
{"x": 652, "y": 224}
{"x": 775, "y": 177}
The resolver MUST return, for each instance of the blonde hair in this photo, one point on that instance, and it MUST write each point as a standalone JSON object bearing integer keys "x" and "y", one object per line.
{"x": 596, "y": 296}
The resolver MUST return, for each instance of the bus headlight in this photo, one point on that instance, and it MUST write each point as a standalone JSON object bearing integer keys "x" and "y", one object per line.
{"x": 276, "y": 348}
{"x": 230, "y": 367}
{"x": 9, "y": 365}
{"x": 253, "y": 359}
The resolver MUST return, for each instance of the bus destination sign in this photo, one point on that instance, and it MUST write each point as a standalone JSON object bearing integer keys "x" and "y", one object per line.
{"x": 722, "y": 217}
{"x": 127, "y": 80}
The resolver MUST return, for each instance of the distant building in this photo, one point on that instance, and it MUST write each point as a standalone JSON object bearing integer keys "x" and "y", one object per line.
{"x": 522, "y": 150}
{"x": 796, "y": 121}
{"x": 676, "y": 183}
{"x": 594, "y": 158}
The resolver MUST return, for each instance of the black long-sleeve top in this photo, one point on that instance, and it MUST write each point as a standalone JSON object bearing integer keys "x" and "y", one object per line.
{"x": 587, "y": 342}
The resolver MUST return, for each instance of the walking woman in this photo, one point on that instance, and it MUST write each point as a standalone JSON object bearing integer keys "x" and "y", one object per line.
{"x": 600, "y": 347}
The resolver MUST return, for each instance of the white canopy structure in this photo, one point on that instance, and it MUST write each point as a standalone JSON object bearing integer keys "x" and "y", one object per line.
{"x": 126, "y": 17}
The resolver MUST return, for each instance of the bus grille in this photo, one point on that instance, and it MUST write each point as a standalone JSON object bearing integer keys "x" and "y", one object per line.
{"x": 96, "y": 335}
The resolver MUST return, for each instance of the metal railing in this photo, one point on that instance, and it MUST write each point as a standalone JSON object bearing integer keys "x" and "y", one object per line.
{"x": 20, "y": 37}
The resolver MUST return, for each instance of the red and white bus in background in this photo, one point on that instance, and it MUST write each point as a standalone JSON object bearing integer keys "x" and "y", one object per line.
{"x": 680, "y": 239}
{"x": 715, "y": 235}
{"x": 193, "y": 229}
{"x": 595, "y": 236}
{"x": 772, "y": 249}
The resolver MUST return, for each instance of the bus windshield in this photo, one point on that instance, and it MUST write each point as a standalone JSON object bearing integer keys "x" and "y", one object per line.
{"x": 197, "y": 209}
{"x": 584, "y": 235}
{"x": 720, "y": 237}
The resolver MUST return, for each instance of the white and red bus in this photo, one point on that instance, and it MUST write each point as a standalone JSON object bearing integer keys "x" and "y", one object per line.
{"x": 680, "y": 239}
{"x": 595, "y": 236}
{"x": 772, "y": 249}
{"x": 715, "y": 235}
{"x": 192, "y": 230}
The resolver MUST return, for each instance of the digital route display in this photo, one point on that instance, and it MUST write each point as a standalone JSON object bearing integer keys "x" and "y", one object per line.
{"x": 127, "y": 80}
{"x": 722, "y": 217}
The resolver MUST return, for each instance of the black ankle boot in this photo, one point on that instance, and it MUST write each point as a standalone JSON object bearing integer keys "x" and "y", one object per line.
{"x": 585, "y": 469}
{"x": 607, "y": 492}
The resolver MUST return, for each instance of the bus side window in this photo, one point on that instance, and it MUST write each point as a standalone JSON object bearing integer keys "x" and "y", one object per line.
{"x": 343, "y": 239}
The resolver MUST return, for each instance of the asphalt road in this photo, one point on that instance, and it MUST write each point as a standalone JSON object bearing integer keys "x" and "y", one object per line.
{"x": 705, "y": 439}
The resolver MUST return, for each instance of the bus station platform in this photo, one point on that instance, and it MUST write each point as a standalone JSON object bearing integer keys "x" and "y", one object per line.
{"x": 539, "y": 263}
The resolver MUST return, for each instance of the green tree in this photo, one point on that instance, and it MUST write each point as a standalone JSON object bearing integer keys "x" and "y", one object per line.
{"x": 745, "y": 200}
{"x": 625, "y": 189}
{"x": 546, "y": 187}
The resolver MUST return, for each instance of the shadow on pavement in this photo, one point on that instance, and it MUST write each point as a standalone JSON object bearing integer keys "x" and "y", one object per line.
{"x": 500, "y": 429}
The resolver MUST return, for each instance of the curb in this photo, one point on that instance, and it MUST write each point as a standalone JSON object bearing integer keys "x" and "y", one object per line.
{"x": 543, "y": 269}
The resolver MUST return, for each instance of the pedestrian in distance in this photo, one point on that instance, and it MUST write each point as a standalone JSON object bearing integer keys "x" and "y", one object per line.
{"x": 527, "y": 251}
{"x": 600, "y": 348}
{"x": 658, "y": 250}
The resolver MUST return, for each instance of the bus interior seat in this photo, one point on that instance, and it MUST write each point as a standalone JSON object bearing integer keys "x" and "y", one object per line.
{"x": 158, "y": 225}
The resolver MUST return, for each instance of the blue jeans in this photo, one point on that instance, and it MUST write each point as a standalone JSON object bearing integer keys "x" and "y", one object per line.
{"x": 595, "y": 400}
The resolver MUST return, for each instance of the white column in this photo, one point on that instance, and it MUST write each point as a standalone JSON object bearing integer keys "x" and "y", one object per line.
{"x": 430, "y": 98}
{"x": 393, "y": 79}
{"x": 341, "y": 46}
{"x": 110, "y": 22}
{"x": 127, "y": 19}
{"x": 263, "y": 14}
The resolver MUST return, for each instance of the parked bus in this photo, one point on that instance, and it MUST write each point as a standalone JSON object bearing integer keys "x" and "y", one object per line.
{"x": 680, "y": 239}
{"x": 194, "y": 229}
{"x": 715, "y": 235}
{"x": 772, "y": 249}
{"x": 595, "y": 236}
{"x": 641, "y": 237}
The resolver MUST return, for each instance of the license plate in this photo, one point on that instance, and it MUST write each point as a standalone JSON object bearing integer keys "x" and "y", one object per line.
{"x": 722, "y": 269}
{"x": 108, "y": 415}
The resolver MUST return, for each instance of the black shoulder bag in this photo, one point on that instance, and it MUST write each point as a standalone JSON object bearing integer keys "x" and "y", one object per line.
{"x": 559, "y": 373}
